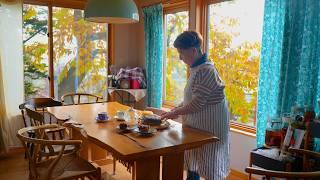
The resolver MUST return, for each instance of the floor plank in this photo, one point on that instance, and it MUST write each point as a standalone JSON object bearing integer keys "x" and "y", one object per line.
{"x": 14, "y": 166}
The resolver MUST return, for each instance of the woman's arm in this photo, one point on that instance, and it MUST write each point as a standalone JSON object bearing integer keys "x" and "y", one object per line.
{"x": 205, "y": 84}
{"x": 196, "y": 104}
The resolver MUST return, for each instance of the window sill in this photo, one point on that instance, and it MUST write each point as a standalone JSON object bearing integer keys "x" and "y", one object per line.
{"x": 234, "y": 127}
{"x": 167, "y": 105}
{"x": 243, "y": 129}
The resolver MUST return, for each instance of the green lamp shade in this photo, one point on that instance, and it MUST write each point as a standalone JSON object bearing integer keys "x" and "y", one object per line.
{"x": 111, "y": 11}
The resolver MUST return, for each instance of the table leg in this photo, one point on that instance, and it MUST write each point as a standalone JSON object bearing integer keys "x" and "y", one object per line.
{"x": 84, "y": 151}
{"x": 97, "y": 153}
{"x": 172, "y": 166}
{"x": 148, "y": 168}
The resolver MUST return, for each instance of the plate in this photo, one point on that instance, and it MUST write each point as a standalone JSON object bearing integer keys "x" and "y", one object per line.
{"x": 101, "y": 121}
{"x": 163, "y": 125}
{"x": 118, "y": 119}
{"x": 149, "y": 133}
{"x": 63, "y": 117}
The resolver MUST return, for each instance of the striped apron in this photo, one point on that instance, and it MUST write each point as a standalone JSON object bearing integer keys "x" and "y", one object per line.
{"x": 211, "y": 161}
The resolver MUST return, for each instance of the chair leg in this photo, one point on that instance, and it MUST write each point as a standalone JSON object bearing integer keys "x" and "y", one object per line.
{"x": 98, "y": 174}
{"x": 114, "y": 165}
{"x": 133, "y": 171}
{"x": 250, "y": 165}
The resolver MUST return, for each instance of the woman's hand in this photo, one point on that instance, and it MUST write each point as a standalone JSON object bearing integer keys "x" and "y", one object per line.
{"x": 169, "y": 115}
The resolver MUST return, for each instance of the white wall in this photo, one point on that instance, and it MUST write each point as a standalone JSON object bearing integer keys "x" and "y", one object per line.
{"x": 240, "y": 147}
{"x": 126, "y": 45}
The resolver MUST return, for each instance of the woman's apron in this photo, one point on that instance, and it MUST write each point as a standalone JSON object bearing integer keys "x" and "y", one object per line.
{"x": 211, "y": 161}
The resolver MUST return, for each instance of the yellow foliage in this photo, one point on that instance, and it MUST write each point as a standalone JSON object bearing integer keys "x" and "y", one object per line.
{"x": 239, "y": 69}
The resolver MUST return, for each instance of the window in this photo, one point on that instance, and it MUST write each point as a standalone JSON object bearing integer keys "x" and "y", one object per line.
{"x": 175, "y": 70}
{"x": 79, "y": 52}
{"x": 234, "y": 42}
{"x": 35, "y": 51}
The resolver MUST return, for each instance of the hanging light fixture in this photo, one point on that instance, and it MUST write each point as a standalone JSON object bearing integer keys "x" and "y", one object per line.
{"x": 111, "y": 11}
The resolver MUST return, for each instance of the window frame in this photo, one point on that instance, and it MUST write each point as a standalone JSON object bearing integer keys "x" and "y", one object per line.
{"x": 72, "y": 4}
{"x": 234, "y": 126}
{"x": 169, "y": 8}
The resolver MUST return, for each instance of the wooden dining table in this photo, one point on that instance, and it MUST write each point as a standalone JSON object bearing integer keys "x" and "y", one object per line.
{"x": 145, "y": 152}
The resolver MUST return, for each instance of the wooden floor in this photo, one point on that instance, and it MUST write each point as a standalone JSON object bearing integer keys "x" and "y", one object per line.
{"x": 15, "y": 167}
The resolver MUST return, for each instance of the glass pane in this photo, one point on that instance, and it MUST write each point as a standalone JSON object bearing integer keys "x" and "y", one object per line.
{"x": 176, "y": 70}
{"x": 35, "y": 51}
{"x": 234, "y": 42}
{"x": 80, "y": 53}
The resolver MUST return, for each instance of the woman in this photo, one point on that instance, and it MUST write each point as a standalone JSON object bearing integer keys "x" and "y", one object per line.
{"x": 204, "y": 107}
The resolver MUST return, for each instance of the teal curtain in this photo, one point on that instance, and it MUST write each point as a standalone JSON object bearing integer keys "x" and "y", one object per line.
{"x": 153, "y": 29}
{"x": 290, "y": 56}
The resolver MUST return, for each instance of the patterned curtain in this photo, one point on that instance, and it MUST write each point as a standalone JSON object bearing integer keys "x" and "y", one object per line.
{"x": 290, "y": 56}
{"x": 153, "y": 29}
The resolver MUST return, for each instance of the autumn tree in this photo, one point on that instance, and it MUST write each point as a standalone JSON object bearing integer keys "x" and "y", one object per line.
{"x": 238, "y": 67}
{"x": 80, "y": 53}
{"x": 89, "y": 56}
{"x": 176, "y": 71}
{"x": 34, "y": 51}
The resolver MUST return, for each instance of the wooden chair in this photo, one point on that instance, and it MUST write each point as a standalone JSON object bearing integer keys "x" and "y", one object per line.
{"x": 313, "y": 131}
{"x": 283, "y": 174}
{"x": 302, "y": 156}
{"x": 61, "y": 165}
{"x": 90, "y": 98}
{"x": 37, "y": 119}
{"x": 39, "y": 104}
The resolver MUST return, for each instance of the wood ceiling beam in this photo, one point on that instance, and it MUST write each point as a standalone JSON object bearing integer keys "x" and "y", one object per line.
{"x": 75, "y": 4}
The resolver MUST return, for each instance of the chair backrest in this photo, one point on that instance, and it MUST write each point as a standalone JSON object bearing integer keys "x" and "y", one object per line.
{"x": 283, "y": 174}
{"x": 40, "y": 142}
{"x": 43, "y": 102}
{"x": 75, "y": 98}
{"x": 315, "y": 129}
{"x": 35, "y": 117}
{"x": 23, "y": 113}
{"x": 37, "y": 104}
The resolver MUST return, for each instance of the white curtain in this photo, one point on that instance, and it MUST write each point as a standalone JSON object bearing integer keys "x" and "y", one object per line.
{"x": 11, "y": 71}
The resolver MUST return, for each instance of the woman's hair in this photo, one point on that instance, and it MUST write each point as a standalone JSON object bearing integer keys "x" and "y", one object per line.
{"x": 188, "y": 39}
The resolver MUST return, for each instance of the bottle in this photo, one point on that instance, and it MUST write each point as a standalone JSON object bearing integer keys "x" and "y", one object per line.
{"x": 132, "y": 120}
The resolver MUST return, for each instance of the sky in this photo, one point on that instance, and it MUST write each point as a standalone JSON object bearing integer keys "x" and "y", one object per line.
{"x": 250, "y": 15}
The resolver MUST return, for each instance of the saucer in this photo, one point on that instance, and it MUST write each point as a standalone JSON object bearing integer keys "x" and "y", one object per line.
{"x": 163, "y": 125}
{"x": 149, "y": 133}
{"x": 101, "y": 120}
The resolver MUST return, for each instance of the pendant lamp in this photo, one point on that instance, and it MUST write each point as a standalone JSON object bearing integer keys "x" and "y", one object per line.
{"x": 111, "y": 11}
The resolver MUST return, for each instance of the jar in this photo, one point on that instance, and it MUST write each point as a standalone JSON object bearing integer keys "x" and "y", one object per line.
{"x": 274, "y": 132}
{"x": 124, "y": 83}
{"x": 309, "y": 114}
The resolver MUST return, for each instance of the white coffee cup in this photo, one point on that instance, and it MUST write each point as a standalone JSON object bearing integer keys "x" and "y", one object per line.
{"x": 120, "y": 114}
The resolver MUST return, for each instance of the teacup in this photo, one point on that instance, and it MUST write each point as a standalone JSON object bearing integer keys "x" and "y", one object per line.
{"x": 121, "y": 114}
{"x": 102, "y": 116}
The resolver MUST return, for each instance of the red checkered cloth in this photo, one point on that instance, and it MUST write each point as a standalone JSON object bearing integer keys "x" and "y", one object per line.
{"x": 135, "y": 73}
